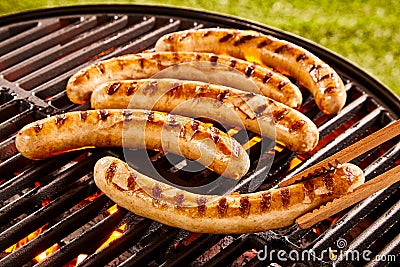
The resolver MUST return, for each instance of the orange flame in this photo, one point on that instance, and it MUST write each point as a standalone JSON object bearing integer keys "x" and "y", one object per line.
{"x": 46, "y": 253}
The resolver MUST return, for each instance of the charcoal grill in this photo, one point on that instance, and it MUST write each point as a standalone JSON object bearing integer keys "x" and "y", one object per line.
{"x": 56, "y": 199}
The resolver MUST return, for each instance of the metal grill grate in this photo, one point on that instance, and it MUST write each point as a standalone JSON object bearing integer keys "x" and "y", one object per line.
{"x": 40, "y": 50}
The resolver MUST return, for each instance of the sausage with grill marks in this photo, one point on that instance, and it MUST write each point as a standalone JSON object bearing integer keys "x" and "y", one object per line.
{"x": 229, "y": 214}
{"x": 145, "y": 65}
{"x": 323, "y": 82}
{"x": 135, "y": 129}
{"x": 225, "y": 105}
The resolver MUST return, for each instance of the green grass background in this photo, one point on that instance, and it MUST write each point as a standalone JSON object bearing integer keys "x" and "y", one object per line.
{"x": 365, "y": 32}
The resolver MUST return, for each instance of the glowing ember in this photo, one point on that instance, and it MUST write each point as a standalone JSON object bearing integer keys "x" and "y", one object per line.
{"x": 80, "y": 259}
{"x": 294, "y": 162}
{"x": 24, "y": 240}
{"x": 114, "y": 235}
{"x": 46, "y": 253}
{"x": 252, "y": 142}
{"x": 113, "y": 209}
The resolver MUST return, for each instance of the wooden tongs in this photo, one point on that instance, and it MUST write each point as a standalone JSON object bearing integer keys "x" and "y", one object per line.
{"x": 365, "y": 190}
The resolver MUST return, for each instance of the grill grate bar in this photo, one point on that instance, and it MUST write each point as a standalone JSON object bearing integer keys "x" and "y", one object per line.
{"x": 374, "y": 231}
{"x": 74, "y": 27}
{"x": 90, "y": 240}
{"x": 39, "y": 218}
{"x": 33, "y": 198}
{"x": 235, "y": 249}
{"x": 147, "y": 253}
{"x": 55, "y": 69}
{"x": 29, "y": 177}
{"x": 347, "y": 137}
{"x": 118, "y": 246}
{"x": 193, "y": 250}
{"x": 43, "y": 28}
{"x": 352, "y": 218}
{"x": 145, "y": 41}
{"x": 49, "y": 49}
{"x": 390, "y": 250}
{"x": 53, "y": 234}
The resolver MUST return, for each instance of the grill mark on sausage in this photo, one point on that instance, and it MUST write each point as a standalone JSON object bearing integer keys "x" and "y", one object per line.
{"x": 312, "y": 69}
{"x": 113, "y": 88}
{"x": 127, "y": 115}
{"x": 328, "y": 181}
{"x": 264, "y": 43}
{"x": 103, "y": 114}
{"x": 279, "y": 114}
{"x": 213, "y": 58}
{"x": 194, "y": 124}
{"x": 206, "y": 33}
{"x": 232, "y": 63}
{"x": 151, "y": 88}
{"x": 149, "y": 115}
{"x": 265, "y": 201}
{"x": 250, "y": 70}
{"x": 222, "y": 207}
{"x": 183, "y": 36}
{"x": 131, "y": 88}
{"x": 101, "y": 68}
{"x": 258, "y": 111}
{"x": 156, "y": 191}
{"x": 87, "y": 76}
{"x": 121, "y": 64}
{"x": 141, "y": 62}
{"x": 349, "y": 175}
{"x": 244, "y": 206}
{"x": 302, "y": 56}
{"x": 242, "y": 39}
{"x": 215, "y": 135}
{"x": 309, "y": 190}
{"x": 60, "y": 119}
{"x": 110, "y": 171}
{"x": 283, "y": 48}
{"x": 201, "y": 206}
{"x": 282, "y": 84}
{"x": 295, "y": 127}
{"x": 178, "y": 199}
{"x": 284, "y": 193}
{"x": 83, "y": 115}
{"x": 38, "y": 127}
{"x": 327, "y": 76}
{"x": 223, "y": 95}
{"x": 226, "y": 38}
{"x": 131, "y": 181}
{"x": 171, "y": 119}
{"x": 330, "y": 89}
{"x": 267, "y": 77}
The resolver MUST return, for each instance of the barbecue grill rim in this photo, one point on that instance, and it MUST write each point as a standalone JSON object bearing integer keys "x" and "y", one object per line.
{"x": 389, "y": 99}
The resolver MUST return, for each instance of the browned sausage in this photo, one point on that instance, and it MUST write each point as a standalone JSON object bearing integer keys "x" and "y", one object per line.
{"x": 322, "y": 81}
{"x": 135, "y": 129}
{"x": 228, "y": 106}
{"x": 145, "y": 65}
{"x": 230, "y": 214}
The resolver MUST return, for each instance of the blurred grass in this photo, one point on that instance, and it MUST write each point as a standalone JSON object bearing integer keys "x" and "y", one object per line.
{"x": 365, "y": 32}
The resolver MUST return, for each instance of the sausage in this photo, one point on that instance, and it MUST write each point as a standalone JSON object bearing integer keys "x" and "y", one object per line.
{"x": 229, "y": 214}
{"x": 145, "y": 65}
{"x": 137, "y": 129}
{"x": 323, "y": 82}
{"x": 225, "y": 105}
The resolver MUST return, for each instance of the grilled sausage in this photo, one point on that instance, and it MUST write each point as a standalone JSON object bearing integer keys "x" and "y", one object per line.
{"x": 322, "y": 81}
{"x": 229, "y": 214}
{"x": 135, "y": 129}
{"x": 145, "y": 65}
{"x": 225, "y": 105}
